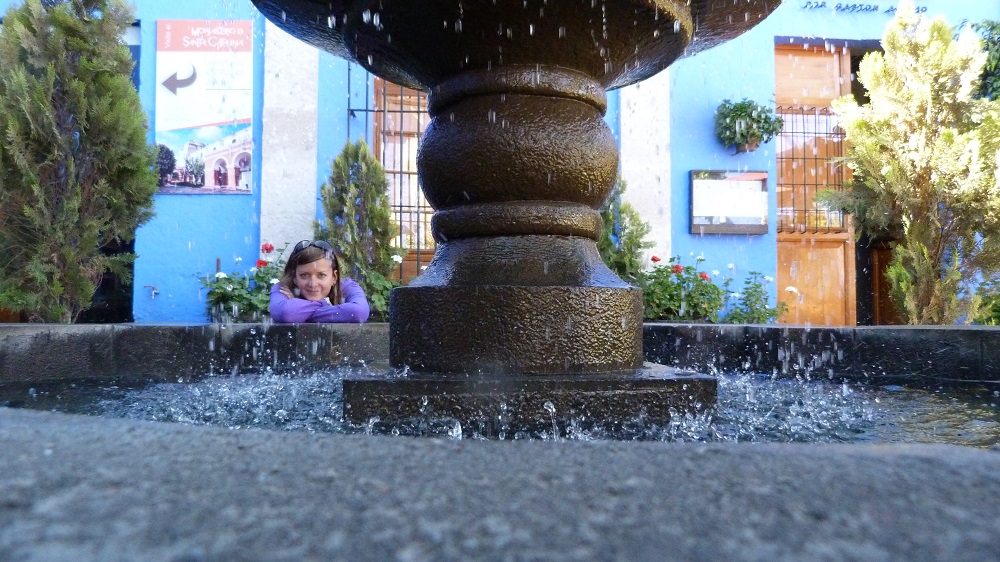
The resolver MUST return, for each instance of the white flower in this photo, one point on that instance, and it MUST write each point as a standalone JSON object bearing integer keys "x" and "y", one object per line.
{"x": 769, "y": 279}
{"x": 731, "y": 266}
{"x": 274, "y": 281}
{"x": 735, "y": 295}
{"x": 237, "y": 259}
{"x": 397, "y": 259}
{"x": 791, "y": 289}
{"x": 253, "y": 270}
{"x": 220, "y": 275}
{"x": 715, "y": 272}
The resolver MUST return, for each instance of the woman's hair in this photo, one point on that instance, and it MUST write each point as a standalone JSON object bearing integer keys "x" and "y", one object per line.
{"x": 308, "y": 255}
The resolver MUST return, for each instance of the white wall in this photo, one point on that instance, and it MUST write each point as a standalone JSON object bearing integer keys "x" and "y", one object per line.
{"x": 288, "y": 170}
{"x": 645, "y": 155}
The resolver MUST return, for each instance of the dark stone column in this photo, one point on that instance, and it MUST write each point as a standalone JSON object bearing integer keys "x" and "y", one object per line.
{"x": 516, "y": 162}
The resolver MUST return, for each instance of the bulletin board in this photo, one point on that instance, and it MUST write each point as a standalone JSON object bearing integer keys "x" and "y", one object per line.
{"x": 728, "y": 202}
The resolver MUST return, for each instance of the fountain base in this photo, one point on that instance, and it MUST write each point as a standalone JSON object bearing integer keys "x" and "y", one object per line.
{"x": 500, "y": 406}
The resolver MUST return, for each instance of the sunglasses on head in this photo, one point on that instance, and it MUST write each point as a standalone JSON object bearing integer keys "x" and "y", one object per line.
{"x": 321, "y": 244}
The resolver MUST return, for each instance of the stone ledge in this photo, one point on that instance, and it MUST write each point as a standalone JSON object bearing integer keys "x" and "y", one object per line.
{"x": 922, "y": 355}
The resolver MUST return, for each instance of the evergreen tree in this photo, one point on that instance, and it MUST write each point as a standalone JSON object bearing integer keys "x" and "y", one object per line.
{"x": 76, "y": 172}
{"x": 359, "y": 223}
{"x": 990, "y": 32}
{"x": 924, "y": 156}
{"x": 166, "y": 162}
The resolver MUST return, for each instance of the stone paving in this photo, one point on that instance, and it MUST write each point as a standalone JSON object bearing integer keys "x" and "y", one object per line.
{"x": 84, "y": 488}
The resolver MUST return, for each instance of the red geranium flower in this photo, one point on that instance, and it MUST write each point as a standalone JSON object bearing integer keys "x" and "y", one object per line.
{"x": 261, "y": 263}
{"x": 267, "y": 247}
{"x": 678, "y": 269}
{"x": 703, "y": 275}
{"x": 654, "y": 259}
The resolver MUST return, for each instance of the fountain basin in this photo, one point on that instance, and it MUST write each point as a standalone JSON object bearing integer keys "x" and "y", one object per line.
{"x": 803, "y": 384}
{"x": 919, "y": 356}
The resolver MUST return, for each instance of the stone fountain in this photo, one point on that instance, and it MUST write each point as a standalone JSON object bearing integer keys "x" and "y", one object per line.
{"x": 517, "y": 315}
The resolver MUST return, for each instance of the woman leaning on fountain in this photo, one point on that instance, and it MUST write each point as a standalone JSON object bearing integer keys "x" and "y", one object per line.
{"x": 312, "y": 290}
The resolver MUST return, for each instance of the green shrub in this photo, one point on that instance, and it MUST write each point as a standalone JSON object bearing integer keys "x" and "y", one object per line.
{"x": 242, "y": 297}
{"x": 745, "y": 123}
{"x": 76, "y": 171}
{"x": 679, "y": 293}
{"x": 623, "y": 236}
{"x": 359, "y": 224}
{"x": 751, "y": 305}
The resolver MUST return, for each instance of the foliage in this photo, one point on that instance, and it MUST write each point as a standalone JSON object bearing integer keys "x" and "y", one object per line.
{"x": 359, "y": 223}
{"x": 989, "y": 313}
{"x": 679, "y": 293}
{"x": 76, "y": 172}
{"x": 166, "y": 162}
{"x": 751, "y": 306}
{"x": 745, "y": 123}
{"x": 924, "y": 156}
{"x": 623, "y": 234}
{"x": 240, "y": 297}
{"x": 194, "y": 167}
{"x": 990, "y": 78}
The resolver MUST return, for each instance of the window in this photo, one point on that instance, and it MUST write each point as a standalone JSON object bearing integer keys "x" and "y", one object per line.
{"x": 810, "y": 145}
{"x": 808, "y": 149}
{"x": 399, "y": 122}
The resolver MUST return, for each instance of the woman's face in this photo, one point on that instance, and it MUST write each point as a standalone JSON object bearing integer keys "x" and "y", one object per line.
{"x": 315, "y": 279}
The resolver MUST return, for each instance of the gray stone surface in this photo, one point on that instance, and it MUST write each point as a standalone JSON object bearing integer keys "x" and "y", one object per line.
{"x": 81, "y": 488}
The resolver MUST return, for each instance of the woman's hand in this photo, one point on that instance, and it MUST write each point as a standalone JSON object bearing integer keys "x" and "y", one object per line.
{"x": 286, "y": 292}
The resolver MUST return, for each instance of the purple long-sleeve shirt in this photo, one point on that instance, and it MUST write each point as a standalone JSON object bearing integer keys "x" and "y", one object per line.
{"x": 354, "y": 309}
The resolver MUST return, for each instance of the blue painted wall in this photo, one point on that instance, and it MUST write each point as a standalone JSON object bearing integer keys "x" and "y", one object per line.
{"x": 742, "y": 68}
{"x": 189, "y": 232}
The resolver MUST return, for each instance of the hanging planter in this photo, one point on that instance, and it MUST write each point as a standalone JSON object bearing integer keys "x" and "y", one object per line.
{"x": 745, "y": 124}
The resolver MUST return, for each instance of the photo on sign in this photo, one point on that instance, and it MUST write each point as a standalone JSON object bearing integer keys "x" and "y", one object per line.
{"x": 207, "y": 159}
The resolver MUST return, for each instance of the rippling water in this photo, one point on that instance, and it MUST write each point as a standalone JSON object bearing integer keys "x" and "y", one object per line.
{"x": 751, "y": 408}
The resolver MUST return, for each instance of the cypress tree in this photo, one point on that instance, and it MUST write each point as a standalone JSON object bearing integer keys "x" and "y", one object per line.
{"x": 989, "y": 30}
{"x": 359, "y": 222}
{"x": 76, "y": 170}
{"x": 924, "y": 152}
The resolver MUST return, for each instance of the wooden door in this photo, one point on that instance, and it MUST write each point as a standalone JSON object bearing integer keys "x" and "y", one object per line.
{"x": 815, "y": 245}
{"x": 815, "y": 278}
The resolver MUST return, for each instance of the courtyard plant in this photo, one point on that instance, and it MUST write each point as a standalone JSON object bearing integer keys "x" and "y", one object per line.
{"x": 923, "y": 153}
{"x": 745, "y": 124}
{"x": 76, "y": 171}
{"x": 989, "y": 85}
{"x": 673, "y": 292}
{"x": 241, "y": 295}
{"x": 358, "y": 223}
{"x": 623, "y": 236}
{"x": 751, "y": 305}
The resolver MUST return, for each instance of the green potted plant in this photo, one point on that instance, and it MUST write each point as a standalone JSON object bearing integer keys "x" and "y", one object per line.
{"x": 745, "y": 124}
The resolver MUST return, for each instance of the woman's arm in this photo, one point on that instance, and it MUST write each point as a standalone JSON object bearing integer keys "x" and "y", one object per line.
{"x": 354, "y": 309}
{"x": 289, "y": 310}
